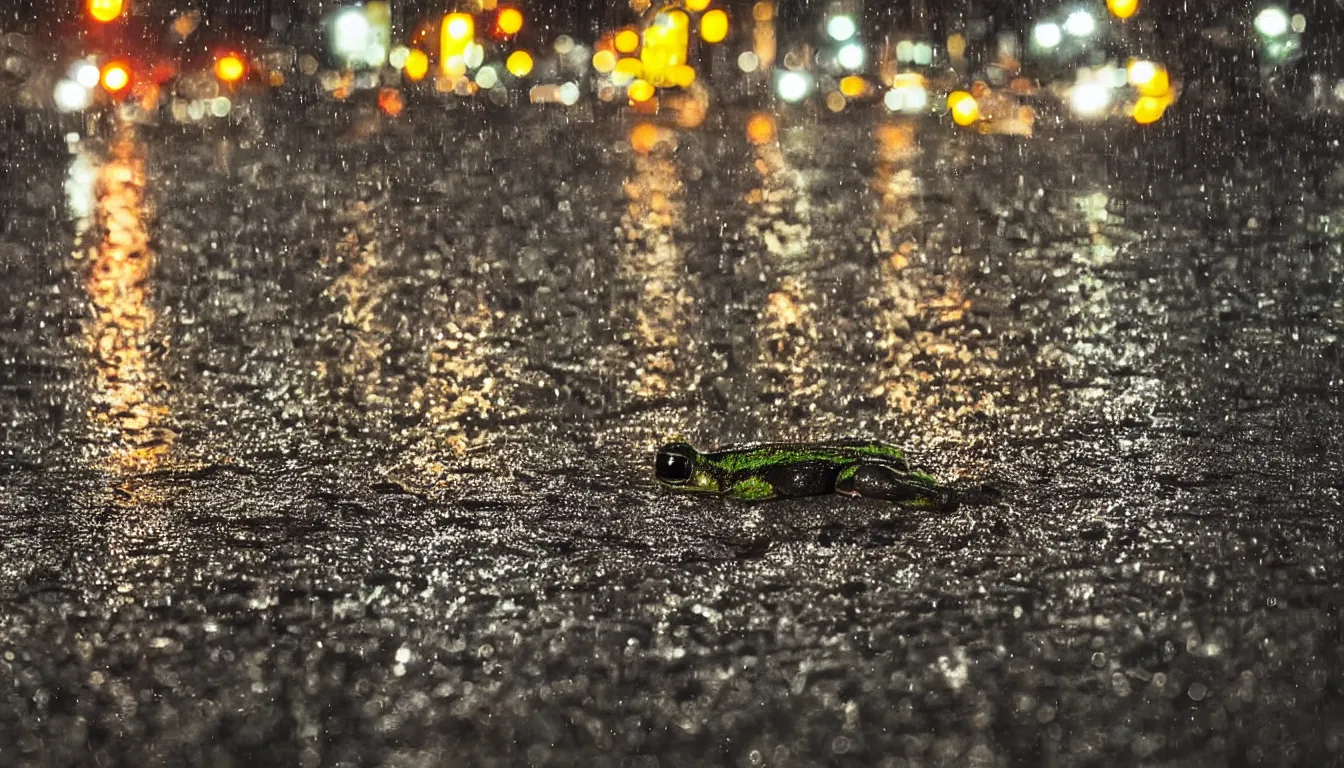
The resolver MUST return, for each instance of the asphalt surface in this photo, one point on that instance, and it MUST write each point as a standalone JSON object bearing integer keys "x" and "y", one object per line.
{"x": 331, "y": 444}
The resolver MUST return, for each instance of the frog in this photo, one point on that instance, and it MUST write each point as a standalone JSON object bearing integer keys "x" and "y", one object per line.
{"x": 764, "y": 471}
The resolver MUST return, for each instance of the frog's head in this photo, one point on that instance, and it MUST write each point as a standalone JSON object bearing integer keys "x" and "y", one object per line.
{"x": 675, "y": 464}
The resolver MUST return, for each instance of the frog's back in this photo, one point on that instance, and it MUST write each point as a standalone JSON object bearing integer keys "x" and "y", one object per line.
{"x": 748, "y": 457}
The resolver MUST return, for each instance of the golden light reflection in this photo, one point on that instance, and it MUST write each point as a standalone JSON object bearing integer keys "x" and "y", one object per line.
{"x": 780, "y": 213}
{"x": 652, "y": 260}
{"x": 927, "y": 371}
{"x": 763, "y": 41}
{"x": 465, "y": 385}
{"x": 127, "y": 404}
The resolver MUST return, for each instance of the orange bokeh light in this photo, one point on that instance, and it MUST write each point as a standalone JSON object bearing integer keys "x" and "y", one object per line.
{"x": 391, "y": 101}
{"x": 760, "y": 129}
{"x": 230, "y": 68}
{"x": 116, "y": 77}
{"x": 105, "y": 10}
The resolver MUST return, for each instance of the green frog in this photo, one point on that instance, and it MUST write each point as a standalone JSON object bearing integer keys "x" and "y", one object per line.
{"x": 790, "y": 470}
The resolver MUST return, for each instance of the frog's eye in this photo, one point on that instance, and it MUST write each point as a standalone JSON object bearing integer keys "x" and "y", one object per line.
{"x": 675, "y": 464}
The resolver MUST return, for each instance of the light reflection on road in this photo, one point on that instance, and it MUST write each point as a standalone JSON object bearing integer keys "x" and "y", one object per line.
{"x": 932, "y": 372}
{"x": 651, "y": 259}
{"x": 128, "y": 408}
{"x": 780, "y": 216}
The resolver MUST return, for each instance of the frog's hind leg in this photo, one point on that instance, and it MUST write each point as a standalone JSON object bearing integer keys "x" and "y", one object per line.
{"x": 908, "y": 489}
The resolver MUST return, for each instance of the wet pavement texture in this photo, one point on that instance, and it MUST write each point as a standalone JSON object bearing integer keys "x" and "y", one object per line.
{"x": 331, "y": 445}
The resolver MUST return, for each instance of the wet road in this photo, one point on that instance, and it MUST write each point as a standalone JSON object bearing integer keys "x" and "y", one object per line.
{"x": 332, "y": 447}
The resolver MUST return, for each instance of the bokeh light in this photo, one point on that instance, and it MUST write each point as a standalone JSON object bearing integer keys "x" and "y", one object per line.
{"x": 640, "y": 90}
{"x": 714, "y": 26}
{"x": 417, "y": 65}
{"x": 230, "y": 68}
{"x": 1122, "y": 9}
{"x": 510, "y": 21}
{"x": 116, "y": 76}
{"x": 519, "y": 64}
{"x": 627, "y": 41}
{"x": 604, "y": 61}
{"x": 760, "y": 128}
{"x": 1149, "y": 109}
{"x": 105, "y": 10}
{"x": 841, "y": 28}
{"x": 965, "y": 109}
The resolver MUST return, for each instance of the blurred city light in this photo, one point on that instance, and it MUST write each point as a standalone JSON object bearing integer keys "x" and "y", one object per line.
{"x": 965, "y": 109}
{"x": 105, "y": 10}
{"x": 1272, "y": 22}
{"x": 87, "y": 74}
{"x": 627, "y": 41}
{"x": 1149, "y": 109}
{"x": 760, "y": 129}
{"x": 841, "y": 28}
{"x": 793, "y": 86}
{"x": 519, "y": 64}
{"x": 640, "y": 90}
{"x": 714, "y": 26}
{"x": 71, "y": 96}
{"x": 230, "y": 68}
{"x": 509, "y": 22}
{"x": 1122, "y": 9}
{"x": 416, "y": 65}
{"x": 1080, "y": 23}
{"x": 1090, "y": 99}
{"x": 351, "y": 34}
{"x": 116, "y": 76}
{"x": 850, "y": 56}
{"x": 1047, "y": 35}
{"x": 604, "y": 61}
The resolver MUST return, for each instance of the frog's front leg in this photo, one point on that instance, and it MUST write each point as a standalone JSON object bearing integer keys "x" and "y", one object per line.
{"x": 909, "y": 489}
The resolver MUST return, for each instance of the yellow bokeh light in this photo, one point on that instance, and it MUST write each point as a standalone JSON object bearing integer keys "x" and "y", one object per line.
{"x": 714, "y": 26}
{"x": 105, "y": 10}
{"x": 835, "y": 101}
{"x": 640, "y": 90}
{"x": 116, "y": 77}
{"x": 519, "y": 63}
{"x": 1122, "y": 9}
{"x": 682, "y": 75}
{"x": 458, "y": 26}
{"x": 604, "y": 62}
{"x": 760, "y": 129}
{"x": 853, "y": 86}
{"x": 665, "y": 45}
{"x": 763, "y": 11}
{"x": 627, "y": 41}
{"x": 230, "y": 69}
{"x": 458, "y": 31}
{"x": 628, "y": 69}
{"x": 1151, "y": 79}
{"x": 1149, "y": 109}
{"x": 697, "y": 5}
{"x": 416, "y": 65}
{"x": 510, "y": 21}
{"x": 956, "y": 45}
{"x": 965, "y": 109}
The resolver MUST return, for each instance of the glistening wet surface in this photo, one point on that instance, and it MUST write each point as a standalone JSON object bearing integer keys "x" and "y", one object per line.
{"x": 327, "y": 451}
